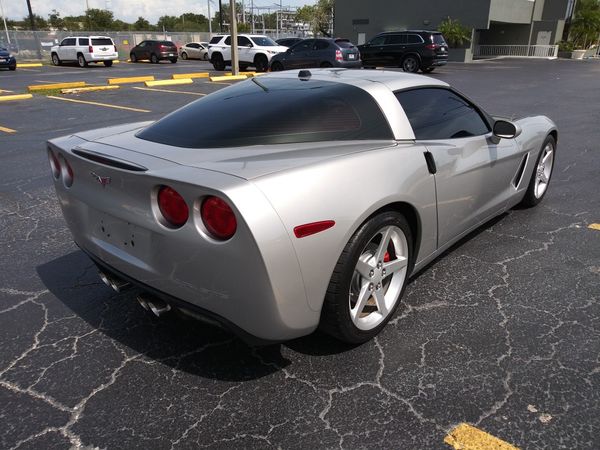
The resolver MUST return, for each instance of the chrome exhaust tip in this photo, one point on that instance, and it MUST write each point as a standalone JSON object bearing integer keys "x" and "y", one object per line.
{"x": 116, "y": 284}
{"x": 157, "y": 306}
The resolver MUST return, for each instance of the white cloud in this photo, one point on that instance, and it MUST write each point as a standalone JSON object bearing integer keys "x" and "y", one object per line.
{"x": 128, "y": 10}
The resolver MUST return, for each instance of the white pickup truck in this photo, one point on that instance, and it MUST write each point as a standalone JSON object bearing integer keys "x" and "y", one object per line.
{"x": 84, "y": 50}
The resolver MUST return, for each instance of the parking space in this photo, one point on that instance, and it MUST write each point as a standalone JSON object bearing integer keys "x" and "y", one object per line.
{"x": 502, "y": 332}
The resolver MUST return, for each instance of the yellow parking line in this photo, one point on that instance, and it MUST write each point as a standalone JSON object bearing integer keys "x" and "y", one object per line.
{"x": 169, "y": 91}
{"x": 126, "y": 108}
{"x": 467, "y": 437}
{"x": 594, "y": 226}
{"x": 7, "y": 130}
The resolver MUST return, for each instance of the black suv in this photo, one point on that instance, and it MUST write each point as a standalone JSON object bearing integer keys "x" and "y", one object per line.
{"x": 155, "y": 51}
{"x": 412, "y": 50}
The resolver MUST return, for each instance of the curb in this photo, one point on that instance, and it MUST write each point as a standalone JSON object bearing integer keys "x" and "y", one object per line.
{"x": 46, "y": 87}
{"x": 228, "y": 78}
{"x": 6, "y": 98}
{"x": 169, "y": 82}
{"x": 178, "y": 76}
{"x": 130, "y": 80}
{"x": 88, "y": 89}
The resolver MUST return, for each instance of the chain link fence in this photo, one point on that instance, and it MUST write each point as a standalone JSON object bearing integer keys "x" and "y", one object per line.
{"x": 36, "y": 45}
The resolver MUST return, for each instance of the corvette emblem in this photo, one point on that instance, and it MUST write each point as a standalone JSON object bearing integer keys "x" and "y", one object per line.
{"x": 102, "y": 180}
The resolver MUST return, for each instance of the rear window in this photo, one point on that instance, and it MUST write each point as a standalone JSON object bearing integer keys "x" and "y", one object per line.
{"x": 102, "y": 41}
{"x": 322, "y": 111}
{"x": 167, "y": 43}
{"x": 215, "y": 39}
{"x": 438, "y": 39}
{"x": 344, "y": 43}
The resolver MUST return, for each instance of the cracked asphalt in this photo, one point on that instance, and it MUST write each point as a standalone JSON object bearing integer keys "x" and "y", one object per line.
{"x": 502, "y": 332}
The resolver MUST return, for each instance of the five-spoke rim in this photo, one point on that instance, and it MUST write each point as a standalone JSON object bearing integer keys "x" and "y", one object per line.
{"x": 543, "y": 170}
{"x": 378, "y": 278}
{"x": 410, "y": 64}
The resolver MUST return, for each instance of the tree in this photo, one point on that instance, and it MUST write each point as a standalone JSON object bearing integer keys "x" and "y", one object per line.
{"x": 99, "y": 19}
{"x": 167, "y": 23}
{"x": 142, "y": 24}
{"x": 40, "y": 22}
{"x": 55, "y": 21}
{"x": 319, "y": 16}
{"x": 585, "y": 28}
{"x": 454, "y": 32}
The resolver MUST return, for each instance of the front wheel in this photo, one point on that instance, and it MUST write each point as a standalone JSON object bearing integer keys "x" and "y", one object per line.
{"x": 276, "y": 66}
{"x": 369, "y": 279}
{"x": 540, "y": 179}
{"x": 410, "y": 64}
{"x": 55, "y": 59}
{"x": 153, "y": 59}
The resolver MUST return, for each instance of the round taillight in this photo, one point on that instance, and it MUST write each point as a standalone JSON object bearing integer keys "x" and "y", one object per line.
{"x": 66, "y": 171}
{"x": 54, "y": 164}
{"x": 172, "y": 206}
{"x": 218, "y": 218}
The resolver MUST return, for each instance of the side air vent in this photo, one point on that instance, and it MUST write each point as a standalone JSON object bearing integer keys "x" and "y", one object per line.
{"x": 519, "y": 175}
{"x": 109, "y": 160}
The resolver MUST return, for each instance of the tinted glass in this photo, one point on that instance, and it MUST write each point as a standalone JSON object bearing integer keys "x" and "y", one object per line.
{"x": 379, "y": 40}
{"x": 438, "y": 39}
{"x": 264, "y": 41}
{"x": 167, "y": 43}
{"x": 84, "y": 41}
{"x": 440, "y": 114}
{"x": 243, "y": 41}
{"x": 304, "y": 45}
{"x": 321, "y": 45}
{"x": 215, "y": 39}
{"x": 396, "y": 39}
{"x": 228, "y": 40}
{"x": 322, "y": 111}
{"x": 414, "y": 39}
{"x": 102, "y": 41}
{"x": 69, "y": 41}
{"x": 344, "y": 44}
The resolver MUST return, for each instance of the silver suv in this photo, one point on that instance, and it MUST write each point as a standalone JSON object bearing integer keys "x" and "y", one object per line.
{"x": 253, "y": 50}
{"x": 85, "y": 49}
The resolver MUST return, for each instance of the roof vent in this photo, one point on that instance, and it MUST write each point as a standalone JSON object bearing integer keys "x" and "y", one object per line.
{"x": 304, "y": 75}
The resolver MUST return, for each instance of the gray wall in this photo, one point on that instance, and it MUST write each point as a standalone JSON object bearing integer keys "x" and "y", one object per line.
{"x": 511, "y": 11}
{"x": 389, "y": 15}
{"x": 555, "y": 10}
{"x": 504, "y": 34}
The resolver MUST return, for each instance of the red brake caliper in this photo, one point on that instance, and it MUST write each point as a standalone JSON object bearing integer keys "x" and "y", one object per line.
{"x": 386, "y": 257}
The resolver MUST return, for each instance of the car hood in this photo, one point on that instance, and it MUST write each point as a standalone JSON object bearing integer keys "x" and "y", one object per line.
{"x": 244, "y": 162}
{"x": 4, "y": 53}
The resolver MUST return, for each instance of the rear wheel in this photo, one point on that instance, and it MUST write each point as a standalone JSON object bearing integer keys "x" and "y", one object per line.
{"x": 410, "y": 64}
{"x": 108, "y": 63}
{"x": 217, "y": 62}
{"x": 243, "y": 67}
{"x": 369, "y": 279}
{"x": 261, "y": 63}
{"x": 184, "y": 55}
{"x": 81, "y": 60}
{"x": 153, "y": 58}
{"x": 55, "y": 59}
{"x": 132, "y": 57}
{"x": 276, "y": 66}
{"x": 540, "y": 179}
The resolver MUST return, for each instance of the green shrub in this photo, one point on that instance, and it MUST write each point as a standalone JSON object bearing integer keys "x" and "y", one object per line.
{"x": 456, "y": 34}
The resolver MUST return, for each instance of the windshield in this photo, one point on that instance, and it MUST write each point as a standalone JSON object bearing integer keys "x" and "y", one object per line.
{"x": 264, "y": 41}
{"x": 438, "y": 39}
{"x": 322, "y": 111}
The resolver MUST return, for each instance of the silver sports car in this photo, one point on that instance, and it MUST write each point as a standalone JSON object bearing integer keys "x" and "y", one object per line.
{"x": 298, "y": 200}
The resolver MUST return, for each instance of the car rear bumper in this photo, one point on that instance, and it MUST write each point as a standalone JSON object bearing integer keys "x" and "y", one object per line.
{"x": 108, "y": 57}
{"x": 349, "y": 64}
{"x": 167, "y": 55}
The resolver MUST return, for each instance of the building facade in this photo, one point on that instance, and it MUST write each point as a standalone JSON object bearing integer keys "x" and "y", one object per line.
{"x": 495, "y": 22}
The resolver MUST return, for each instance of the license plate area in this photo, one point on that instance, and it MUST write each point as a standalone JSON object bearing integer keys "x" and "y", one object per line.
{"x": 351, "y": 56}
{"x": 126, "y": 236}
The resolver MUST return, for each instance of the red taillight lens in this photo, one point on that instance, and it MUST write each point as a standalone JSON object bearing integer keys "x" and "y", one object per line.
{"x": 172, "y": 206}
{"x": 91, "y": 49}
{"x": 338, "y": 55}
{"x": 218, "y": 218}
{"x": 54, "y": 164}
{"x": 431, "y": 46}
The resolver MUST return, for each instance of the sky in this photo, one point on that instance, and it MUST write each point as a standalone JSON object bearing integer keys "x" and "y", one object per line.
{"x": 129, "y": 10}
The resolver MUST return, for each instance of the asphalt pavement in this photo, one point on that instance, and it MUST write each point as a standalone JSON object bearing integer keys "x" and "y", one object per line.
{"x": 501, "y": 332}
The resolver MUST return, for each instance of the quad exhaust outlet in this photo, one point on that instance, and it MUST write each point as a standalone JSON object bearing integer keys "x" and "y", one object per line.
{"x": 114, "y": 283}
{"x": 157, "y": 306}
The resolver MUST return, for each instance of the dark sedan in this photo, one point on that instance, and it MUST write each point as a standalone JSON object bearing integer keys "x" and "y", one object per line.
{"x": 154, "y": 51}
{"x": 321, "y": 52}
{"x": 7, "y": 60}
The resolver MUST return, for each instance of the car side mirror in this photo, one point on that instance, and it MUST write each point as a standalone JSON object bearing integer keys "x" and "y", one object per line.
{"x": 250, "y": 46}
{"x": 506, "y": 130}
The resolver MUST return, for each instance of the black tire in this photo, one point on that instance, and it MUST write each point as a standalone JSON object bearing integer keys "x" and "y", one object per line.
{"x": 12, "y": 67}
{"x": 532, "y": 196}
{"x": 133, "y": 58}
{"x": 326, "y": 64}
{"x": 410, "y": 64}
{"x": 153, "y": 58}
{"x": 217, "y": 62}
{"x": 184, "y": 55}
{"x": 173, "y": 60}
{"x": 56, "y": 60}
{"x": 428, "y": 69}
{"x": 261, "y": 63}
{"x": 108, "y": 63}
{"x": 336, "y": 318}
{"x": 276, "y": 66}
{"x": 81, "y": 60}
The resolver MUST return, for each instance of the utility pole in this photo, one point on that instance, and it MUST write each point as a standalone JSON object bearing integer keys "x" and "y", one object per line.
{"x": 5, "y": 27}
{"x": 209, "y": 21}
{"x": 35, "y": 36}
{"x": 234, "y": 43}
{"x": 252, "y": 14}
{"x": 221, "y": 16}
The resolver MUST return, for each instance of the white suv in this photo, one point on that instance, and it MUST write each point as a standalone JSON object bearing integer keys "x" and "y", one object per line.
{"x": 253, "y": 50}
{"x": 85, "y": 49}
